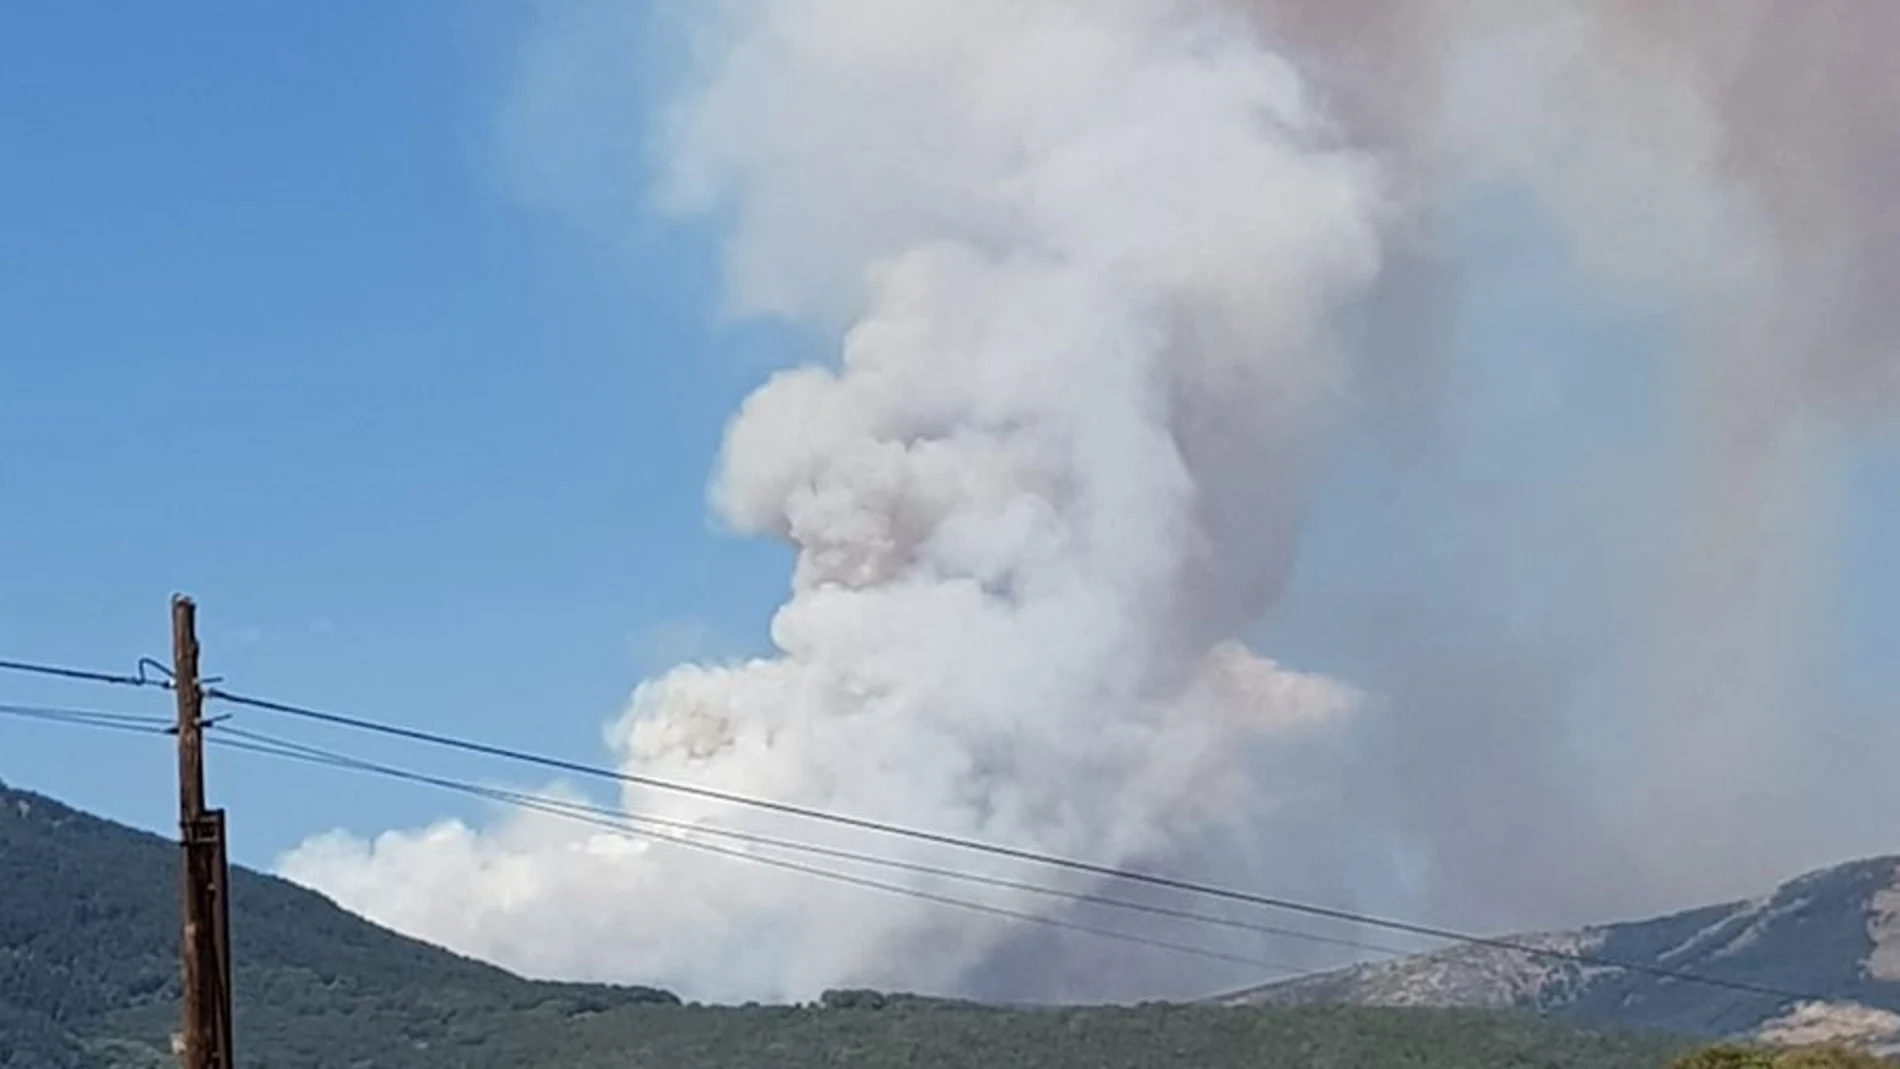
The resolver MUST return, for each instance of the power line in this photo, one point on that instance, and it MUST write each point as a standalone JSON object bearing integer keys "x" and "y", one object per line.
{"x": 999, "y": 850}
{"x": 323, "y": 756}
{"x": 145, "y": 725}
{"x": 942, "y": 839}
{"x": 619, "y": 822}
{"x": 89, "y": 676}
{"x": 253, "y": 743}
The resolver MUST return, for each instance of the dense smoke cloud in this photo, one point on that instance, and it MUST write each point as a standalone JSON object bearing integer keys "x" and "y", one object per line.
{"x": 1729, "y": 166}
{"x": 1110, "y": 283}
{"x": 1087, "y": 254}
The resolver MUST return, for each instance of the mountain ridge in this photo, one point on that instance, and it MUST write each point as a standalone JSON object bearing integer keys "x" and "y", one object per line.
{"x": 1833, "y": 934}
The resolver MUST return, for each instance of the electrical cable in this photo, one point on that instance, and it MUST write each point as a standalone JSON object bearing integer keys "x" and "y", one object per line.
{"x": 88, "y": 676}
{"x": 146, "y": 725}
{"x": 753, "y": 838}
{"x": 583, "y": 815}
{"x": 999, "y": 850}
{"x": 976, "y": 845}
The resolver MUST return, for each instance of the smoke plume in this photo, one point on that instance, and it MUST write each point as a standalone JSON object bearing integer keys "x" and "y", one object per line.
{"x": 1730, "y": 167}
{"x": 1087, "y": 254}
{"x": 1111, "y": 284}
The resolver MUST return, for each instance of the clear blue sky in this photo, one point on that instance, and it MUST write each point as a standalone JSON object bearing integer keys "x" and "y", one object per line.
{"x": 277, "y": 330}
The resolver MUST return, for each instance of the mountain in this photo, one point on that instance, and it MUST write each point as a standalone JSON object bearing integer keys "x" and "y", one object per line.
{"x": 89, "y": 960}
{"x": 1832, "y": 934}
{"x": 88, "y": 980}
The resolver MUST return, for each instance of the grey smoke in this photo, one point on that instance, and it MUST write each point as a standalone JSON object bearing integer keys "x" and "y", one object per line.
{"x": 1729, "y": 167}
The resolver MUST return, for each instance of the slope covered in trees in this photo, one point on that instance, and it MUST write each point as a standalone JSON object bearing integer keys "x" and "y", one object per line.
{"x": 89, "y": 959}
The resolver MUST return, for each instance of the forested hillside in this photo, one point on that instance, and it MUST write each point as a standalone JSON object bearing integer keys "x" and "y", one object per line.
{"x": 89, "y": 960}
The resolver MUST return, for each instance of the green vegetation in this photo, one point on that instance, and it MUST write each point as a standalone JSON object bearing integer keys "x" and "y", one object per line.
{"x": 89, "y": 962}
{"x": 918, "y": 1033}
{"x": 1733, "y": 1056}
{"x": 88, "y": 980}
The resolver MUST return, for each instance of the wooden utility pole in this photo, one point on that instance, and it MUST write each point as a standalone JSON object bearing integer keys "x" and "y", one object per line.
{"x": 205, "y": 939}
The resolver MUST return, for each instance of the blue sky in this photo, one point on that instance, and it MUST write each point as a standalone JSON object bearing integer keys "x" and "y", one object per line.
{"x": 278, "y": 332}
{"x": 278, "y": 328}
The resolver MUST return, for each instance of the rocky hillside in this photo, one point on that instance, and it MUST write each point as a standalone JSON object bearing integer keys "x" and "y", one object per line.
{"x": 1834, "y": 934}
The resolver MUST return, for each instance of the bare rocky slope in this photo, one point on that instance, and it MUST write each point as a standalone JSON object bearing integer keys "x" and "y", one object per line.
{"x": 1832, "y": 934}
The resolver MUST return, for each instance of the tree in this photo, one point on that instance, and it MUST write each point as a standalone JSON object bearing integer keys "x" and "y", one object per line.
{"x": 1726, "y": 1056}
{"x": 1830, "y": 1058}
{"x": 1735, "y": 1056}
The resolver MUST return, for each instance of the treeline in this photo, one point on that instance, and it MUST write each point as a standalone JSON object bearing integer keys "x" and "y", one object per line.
{"x": 1734, "y": 1056}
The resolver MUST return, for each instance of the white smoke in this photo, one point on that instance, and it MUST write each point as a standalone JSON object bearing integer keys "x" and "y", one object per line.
{"x": 1083, "y": 261}
{"x": 1087, "y": 252}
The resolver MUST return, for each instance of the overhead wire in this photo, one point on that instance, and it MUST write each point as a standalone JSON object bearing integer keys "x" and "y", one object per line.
{"x": 89, "y": 676}
{"x": 629, "y": 828}
{"x": 264, "y": 745}
{"x": 147, "y": 725}
{"x": 1151, "y": 879}
{"x": 797, "y": 846}
{"x": 213, "y": 693}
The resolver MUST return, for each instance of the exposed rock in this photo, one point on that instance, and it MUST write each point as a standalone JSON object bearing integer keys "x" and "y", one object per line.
{"x": 1818, "y": 1023}
{"x": 1824, "y": 947}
